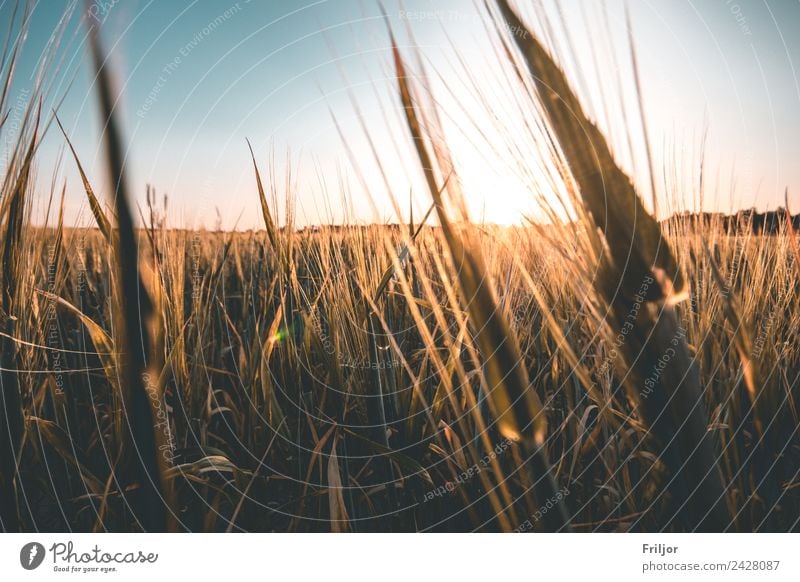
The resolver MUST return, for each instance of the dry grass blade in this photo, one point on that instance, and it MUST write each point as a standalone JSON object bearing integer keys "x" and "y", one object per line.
{"x": 637, "y": 253}
{"x": 336, "y": 504}
{"x": 272, "y": 231}
{"x": 636, "y": 243}
{"x": 143, "y": 464}
{"x": 103, "y": 344}
{"x": 274, "y": 414}
{"x": 517, "y": 408}
{"x": 12, "y": 215}
{"x": 13, "y": 210}
{"x": 97, "y": 210}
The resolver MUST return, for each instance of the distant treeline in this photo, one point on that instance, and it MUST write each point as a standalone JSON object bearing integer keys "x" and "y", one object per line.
{"x": 770, "y": 222}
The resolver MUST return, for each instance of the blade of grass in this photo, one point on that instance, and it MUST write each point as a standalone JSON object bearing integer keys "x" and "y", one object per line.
{"x": 517, "y": 408}
{"x": 144, "y": 464}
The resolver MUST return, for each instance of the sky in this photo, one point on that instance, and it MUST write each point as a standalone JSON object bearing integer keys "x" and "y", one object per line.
{"x": 197, "y": 79}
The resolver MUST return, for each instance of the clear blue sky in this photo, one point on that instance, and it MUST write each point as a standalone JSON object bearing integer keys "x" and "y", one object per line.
{"x": 199, "y": 77}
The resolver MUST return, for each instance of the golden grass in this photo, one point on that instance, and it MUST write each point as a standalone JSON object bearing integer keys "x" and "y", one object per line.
{"x": 608, "y": 374}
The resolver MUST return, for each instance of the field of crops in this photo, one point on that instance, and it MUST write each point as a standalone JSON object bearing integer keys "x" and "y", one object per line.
{"x": 603, "y": 373}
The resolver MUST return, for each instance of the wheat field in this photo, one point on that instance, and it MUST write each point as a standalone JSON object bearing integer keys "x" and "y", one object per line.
{"x": 610, "y": 372}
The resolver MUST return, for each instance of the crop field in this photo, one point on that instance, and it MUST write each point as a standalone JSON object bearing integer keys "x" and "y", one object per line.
{"x": 600, "y": 372}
